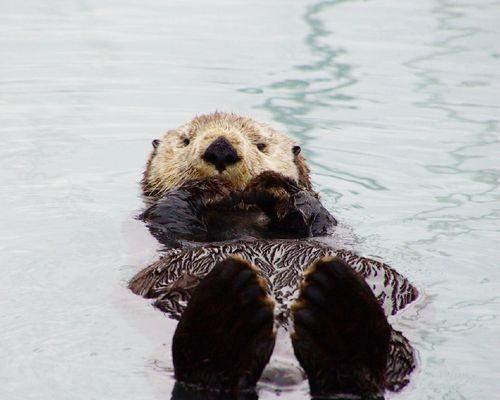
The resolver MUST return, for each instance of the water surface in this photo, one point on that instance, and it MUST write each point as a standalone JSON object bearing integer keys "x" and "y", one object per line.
{"x": 396, "y": 104}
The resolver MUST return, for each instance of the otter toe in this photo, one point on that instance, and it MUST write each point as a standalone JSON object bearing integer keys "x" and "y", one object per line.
{"x": 226, "y": 334}
{"x": 341, "y": 335}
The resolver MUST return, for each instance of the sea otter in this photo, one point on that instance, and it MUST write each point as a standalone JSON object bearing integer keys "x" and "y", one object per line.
{"x": 232, "y": 201}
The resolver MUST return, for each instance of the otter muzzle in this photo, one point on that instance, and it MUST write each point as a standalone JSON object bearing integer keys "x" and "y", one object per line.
{"x": 221, "y": 154}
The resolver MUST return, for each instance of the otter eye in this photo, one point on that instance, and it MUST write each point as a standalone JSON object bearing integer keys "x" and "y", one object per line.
{"x": 155, "y": 143}
{"x": 186, "y": 141}
{"x": 296, "y": 150}
{"x": 261, "y": 146}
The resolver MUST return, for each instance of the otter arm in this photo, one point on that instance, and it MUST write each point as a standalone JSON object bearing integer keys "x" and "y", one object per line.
{"x": 180, "y": 213}
{"x": 290, "y": 208}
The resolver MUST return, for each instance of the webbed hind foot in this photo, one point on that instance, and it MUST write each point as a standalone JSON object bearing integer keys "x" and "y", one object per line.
{"x": 226, "y": 334}
{"x": 341, "y": 335}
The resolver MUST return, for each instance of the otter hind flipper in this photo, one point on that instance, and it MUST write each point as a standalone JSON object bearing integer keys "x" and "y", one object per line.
{"x": 341, "y": 335}
{"x": 226, "y": 334}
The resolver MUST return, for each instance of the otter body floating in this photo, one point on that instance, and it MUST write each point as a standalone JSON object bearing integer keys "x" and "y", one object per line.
{"x": 232, "y": 201}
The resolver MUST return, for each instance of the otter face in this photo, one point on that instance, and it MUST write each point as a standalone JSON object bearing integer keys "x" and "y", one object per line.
{"x": 221, "y": 144}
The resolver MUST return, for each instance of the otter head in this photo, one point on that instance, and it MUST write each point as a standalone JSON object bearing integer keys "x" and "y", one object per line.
{"x": 221, "y": 144}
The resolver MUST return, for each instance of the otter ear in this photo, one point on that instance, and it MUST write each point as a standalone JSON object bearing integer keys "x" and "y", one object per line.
{"x": 155, "y": 143}
{"x": 296, "y": 150}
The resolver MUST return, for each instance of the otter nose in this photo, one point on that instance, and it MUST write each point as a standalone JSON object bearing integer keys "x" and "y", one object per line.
{"x": 221, "y": 154}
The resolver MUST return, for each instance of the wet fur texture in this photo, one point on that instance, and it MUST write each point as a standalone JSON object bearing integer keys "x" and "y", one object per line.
{"x": 337, "y": 318}
{"x": 231, "y": 270}
{"x": 228, "y": 344}
{"x": 211, "y": 209}
{"x": 174, "y": 163}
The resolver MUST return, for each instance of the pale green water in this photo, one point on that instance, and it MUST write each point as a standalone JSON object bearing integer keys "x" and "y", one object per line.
{"x": 396, "y": 104}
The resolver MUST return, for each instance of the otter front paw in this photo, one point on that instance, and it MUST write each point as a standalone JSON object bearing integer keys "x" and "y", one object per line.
{"x": 341, "y": 335}
{"x": 291, "y": 208}
{"x": 306, "y": 216}
{"x": 270, "y": 191}
{"x": 273, "y": 180}
{"x": 180, "y": 212}
{"x": 209, "y": 191}
{"x": 226, "y": 334}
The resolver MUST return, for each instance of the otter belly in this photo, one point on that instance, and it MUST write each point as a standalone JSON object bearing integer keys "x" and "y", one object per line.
{"x": 280, "y": 262}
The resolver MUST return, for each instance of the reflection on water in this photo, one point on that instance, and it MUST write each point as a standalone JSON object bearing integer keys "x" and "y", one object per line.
{"x": 182, "y": 392}
{"x": 321, "y": 85}
{"x": 479, "y": 132}
{"x": 395, "y": 103}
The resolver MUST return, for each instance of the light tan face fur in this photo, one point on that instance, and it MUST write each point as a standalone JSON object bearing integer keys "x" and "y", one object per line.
{"x": 175, "y": 161}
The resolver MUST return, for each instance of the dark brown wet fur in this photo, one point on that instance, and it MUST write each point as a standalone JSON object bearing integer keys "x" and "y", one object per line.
{"x": 271, "y": 206}
{"x": 290, "y": 207}
{"x": 341, "y": 335}
{"x": 226, "y": 334}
